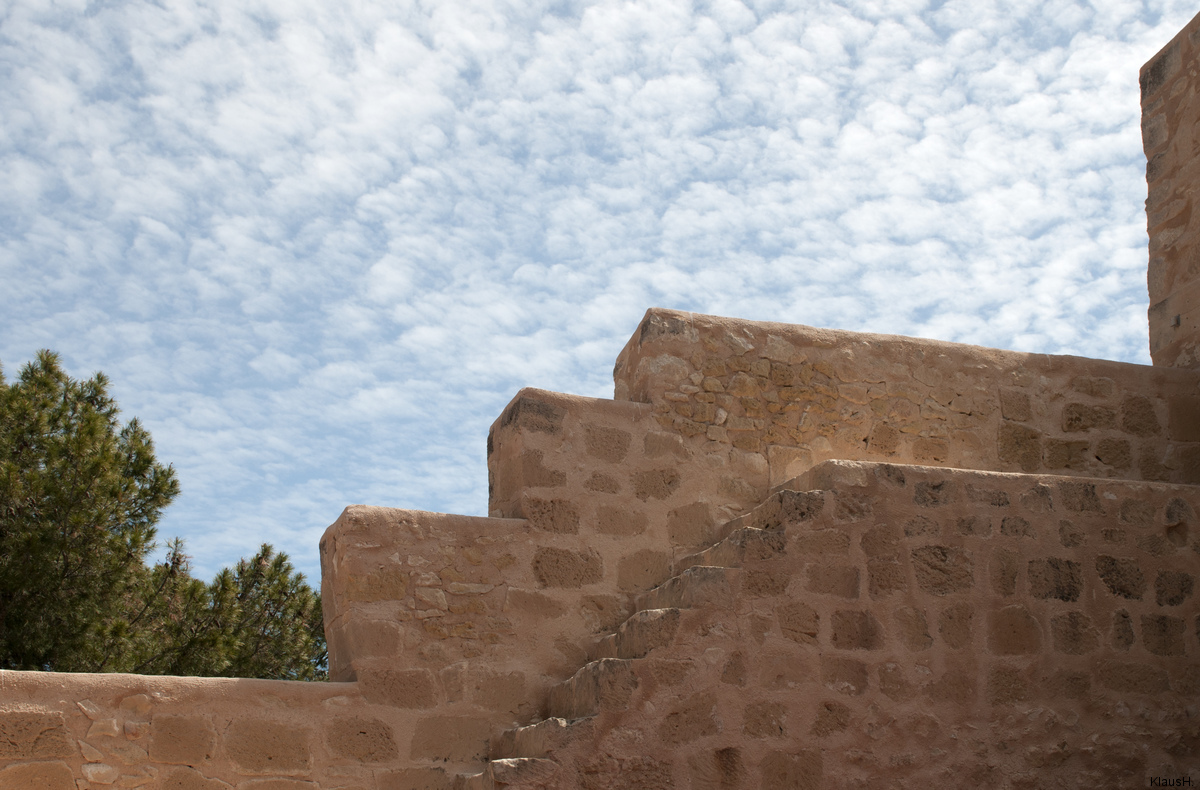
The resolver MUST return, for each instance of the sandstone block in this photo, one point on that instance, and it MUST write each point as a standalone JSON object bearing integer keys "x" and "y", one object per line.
{"x": 402, "y": 688}
{"x": 602, "y": 483}
{"x": 1171, "y": 588}
{"x": 1163, "y": 635}
{"x": 655, "y": 483}
{"x": 1004, "y": 572}
{"x": 734, "y": 671}
{"x": 1014, "y": 404}
{"x": 954, "y": 625}
{"x": 558, "y": 516}
{"x": 912, "y": 628}
{"x": 1019, "y": 445}
{"x": 182, "y": 740}
{"x": 607, "y": 444}
{"x": 498, "y": 691}
{"x": 765, "y": 719}
{"x": 1115, "y": 453}
{"x": 532, "y": 603}
{"x": 1071, "y": 535}
{"x": 1065, "y": 454}
{"x": 761, "y": 583}
{"x": 1055, "y": 578}
{"x": 779, "y": 671}
{"x": 1123, "y": 636}
{"x": 931, "y": 494}
{"x": 1138, "y": 416}
{"x": 798, "y": 622}
{"x": 54, "y": 775}
{"x": 921, "y": 527}
{"x": 533, "y": 415}
{"x": 616, "y": 773}
{"x": 385, "y": 584}
{"x": 32, "y": 736}
{"x": 1080, "y": 497}
{"x": 416, "y": 779}
{"x": 266, "y": 746}
{"x": 831, "y": 717}
{"x": 1006, "y": 685}
{"x": 361, "y": 739}
{"x": 974, "y": 525}
{"x": 1013, "y": 631}
{"x": 927, "y": 450}
{"x": 1122, "y": 577}
{"x": 792, "y": 771}
{"x": 943, "y": 570}
{"x": 893, "y": 683}
{"x": 99, "y": 773}
{"x": 535, "y": 474}
{"x": 450, "y": 738}
{"x": 885, "y": 577}
{"x": 856, "y": 630}
{"x": 691, "y": 525}
{"x": 1084, "y": 417}
{"x": 1016, "y": 527}
{"x": 717, "y": 769}
{"x": 554, "y": 567}
{"x": 1074, "y": 634}
{"x": 839, "y": 580}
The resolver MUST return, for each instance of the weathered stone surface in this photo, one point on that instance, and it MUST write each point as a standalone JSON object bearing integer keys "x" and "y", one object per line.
{"x": 844, "y": 675}
{"x": 1020, "y": 446}
{"x": 606, "y": 443}
{"x": 655, "y": 484}
{"x": 1172, "y": 588}
{"x": 856, "y": 630}
{"x": 912, "y": 628}
{"x": 268, "y": 746}
{"x": 191, "y": 779}
{"x": 362, "y": 739}
{"x": 558, "y": 516}
{"x": 642, "y": 570}
{"x": 802, "y": 770}
{"x": 1055, "y": 577}
{"x": 33, "y": 736}
{"x": 765, "y": 720}
{"x": 402, "y": 688}
{"x": 1163, "y": 635}
{"x": 943, "y": 570}
{"x": 798, "y": 622}
{"x": 1074, "y": 633}
{"x": 1013, "y": 631}
{"x": 415, "y": 779}
{"x": 55, "y": 775}
{"x": 831, "y": 717}
{"x": 620, "y": 521}
{"x": 1006, "y": 685}
{"x": 839, "y": 580}
{"x": 554, "y": 567}
{"x": 717, "y": 769}
{"x": 1133, "y": 678}
{"x": 695, "y": 718}
{"x": 954, "y": 625}
{"x": 1122, "y": 577}
{"x": 450, "y": 738}
{"x": 182, "y": 740}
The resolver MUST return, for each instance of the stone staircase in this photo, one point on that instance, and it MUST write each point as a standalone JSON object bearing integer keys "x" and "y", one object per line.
{"x": 863, "y": 608}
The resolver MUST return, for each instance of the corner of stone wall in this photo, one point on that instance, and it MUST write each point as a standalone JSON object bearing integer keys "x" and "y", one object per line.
{"x": 1170, "y": 120}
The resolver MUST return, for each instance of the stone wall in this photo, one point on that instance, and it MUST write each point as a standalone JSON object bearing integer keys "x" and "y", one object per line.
{"x": 794, "y": 396}
{"x": 1170, "y": 120}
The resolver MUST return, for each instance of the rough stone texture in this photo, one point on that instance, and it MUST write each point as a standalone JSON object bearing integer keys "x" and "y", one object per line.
{"x": 31, "y": 736}
{"x": 55, "y": 775}
{"x": 266, "y": 746}
{"x": 365, "y": 740}
{"x": 182, "y": 740}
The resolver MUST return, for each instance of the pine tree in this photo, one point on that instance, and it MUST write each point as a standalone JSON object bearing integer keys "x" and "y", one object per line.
{"x": 79, "y": 499}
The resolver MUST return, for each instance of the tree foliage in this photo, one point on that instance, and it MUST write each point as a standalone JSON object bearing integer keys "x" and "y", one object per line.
{"x": 79, "y": 499}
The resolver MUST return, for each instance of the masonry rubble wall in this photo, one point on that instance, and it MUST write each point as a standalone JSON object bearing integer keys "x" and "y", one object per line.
{"x": 1170, "y": 124}
{"x": 794, "y": 395}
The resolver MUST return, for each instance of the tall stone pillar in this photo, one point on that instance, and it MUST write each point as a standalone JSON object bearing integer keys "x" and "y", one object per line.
{"x": 1171, "y": 139}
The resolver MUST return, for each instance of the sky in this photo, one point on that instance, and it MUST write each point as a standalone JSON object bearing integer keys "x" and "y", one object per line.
{"x": 318, "y": 246}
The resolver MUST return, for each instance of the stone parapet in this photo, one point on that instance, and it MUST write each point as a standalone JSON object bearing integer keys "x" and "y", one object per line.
{"x": 794, "y": 396}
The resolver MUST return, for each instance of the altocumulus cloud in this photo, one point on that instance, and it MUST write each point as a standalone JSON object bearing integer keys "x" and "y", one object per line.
{"x": 318, "y": 246}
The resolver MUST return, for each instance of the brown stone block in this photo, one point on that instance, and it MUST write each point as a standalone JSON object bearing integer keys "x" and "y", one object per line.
{"x": 893, "y": 683}
{"x": 882, "y": 542}
{"x": 1019, "y": 445}
{"x": 856, "y": 630}
{"x": 607, "y": 444}
{"x": 1004, "y": 572}
{"x": 821, "y": 541}
{"x": 532, "y": 603}
{"x": 416, "y": 779}
{"x": 844, "y": 675}
{"x": 1080, "y": 497}
{"x": 1068, "y": 684}
{"x": 831, "y": 717}
{"x": 533, "y": 415}
{"x": 1071, "y": 535}
{"x": 642, "y": 570}
{"x": 955, "y": 685}
{"x": 191, "y": 779}
{"x": 931, "y": 451}
{"x": 761, "y": 583}
{"x": 31, "y": 736}
{"x": 655, "y": 484}
{"x": 535, "y": 474}
{"x": 1185, "y": 458}
{"x": 974, "y": 525}
{"x": 1074, "y": 633}
{"x": 1064, "y": 454}
{"x": 361, "y": 739}
{"x": 921, "y": 527}
{"x": 1115, "y": 453}
{"x": 942, "y": 570}
{"x": 554, "y": 567}
{"x": 694, "y": 719}
{"x": 1158, "y": 72}
{"x": 54, "y": 775}
{"x": 792, "y": 771}
{"x": 1136, "y": 512}
{"x": 264, "y": 746}
{"x": 182, "y": 740}
{"x": 718, "y": 769}
{"x": 783, "y": 671}
{"x": 402, "y": 688}
{"x": 499, "y": 691}
{"x": 1006, "y": 685}
{"x": 450, "y": 738}
{"x": 618, "y": 773}
{"x": 1015, "y": 405}
{"x": 1133, "y": 678}
{"x": 1163, "y": 635}
{"x": 1122, "y": 577}
{"x": 558, "y": 516}
{"x": 954, "y": 625}
{"x": 765, "y": 720}
{"x": 603, "y": 612}
{"x": 1123, "y": 636}
{"x": 734, "y": 671}
{"x": 1183, "y": 418}
{"x": 912, "y": 628}
{"x": 1055, "y": 578}
{"x": 883, "y": 439}
{"x": 840, "y": 580}
{"x": 1171, "y": 588}
{"x": 1084, "y": 417}
{"x": 931, "y": 494}
{"x": 1013, "y": 631}
{"x": 619, "y": 521}
{"x": 602, "y": 484}
{"x": 1016, "y": 527}
{"x": 1138, "y": 416}
{"x": 885, "y": 577}
{"x": 798, "y": 622}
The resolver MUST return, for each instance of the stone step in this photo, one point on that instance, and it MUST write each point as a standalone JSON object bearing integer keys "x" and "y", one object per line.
{"x": 734, "y": 549}
{"x": 604, "y": 684}
{"x": 541, "y": 739}
{"x": 698, "y": 585}
{"x": 641, "y": 633}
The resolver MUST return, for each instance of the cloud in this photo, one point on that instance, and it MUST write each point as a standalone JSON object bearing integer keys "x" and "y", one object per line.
{"x": 317, "y": 248}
